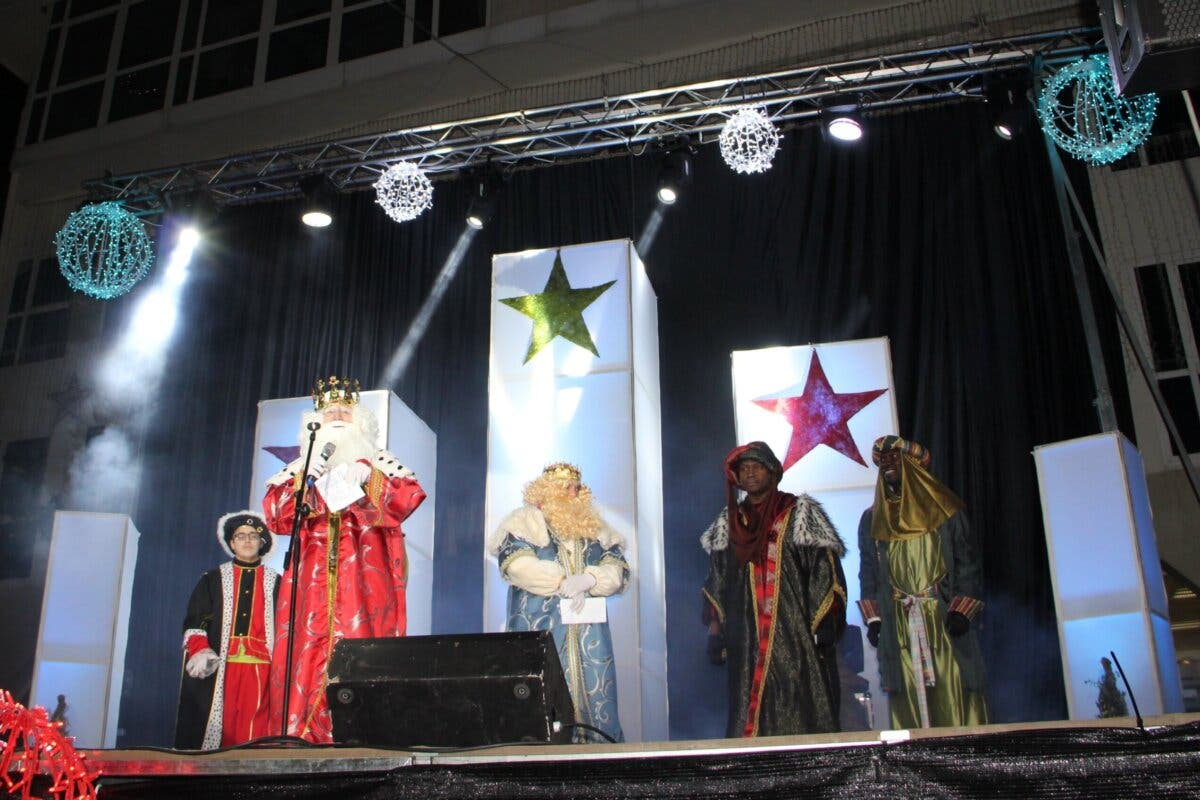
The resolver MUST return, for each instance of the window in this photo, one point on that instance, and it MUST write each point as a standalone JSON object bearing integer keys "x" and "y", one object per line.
{"x": 298, "y": 49}
{"x": 1172, "y": 138}
{"x": 225, "y": 69}
{"x": 228, "y": 19}
{"x": 172, "y": 52}
{"x": 463, "y": 15}
{"x": 23, "y": 519}
{"x": 1170, "y": 300}
{"x": 74, "y": 110}
{"x": 85, "y": 54}
{"x": 371, "y": 30}
{"x": 149, "y": 32}
{"x": 1162, "y": 326}
{"x": 39, "y": 314}
{"x": 293, "y": 10}
{"x": 139, "y": 92}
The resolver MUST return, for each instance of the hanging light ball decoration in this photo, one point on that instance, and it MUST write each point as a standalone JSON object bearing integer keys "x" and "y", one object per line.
{"x": 103, "y": 250}
{"x": 404, "y": 191}
{"x": 749, "y": 141}
{"x": 1081, "y": 111}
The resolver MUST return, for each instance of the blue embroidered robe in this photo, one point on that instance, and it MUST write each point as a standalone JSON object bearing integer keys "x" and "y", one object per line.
{"x": 585, "y": 650}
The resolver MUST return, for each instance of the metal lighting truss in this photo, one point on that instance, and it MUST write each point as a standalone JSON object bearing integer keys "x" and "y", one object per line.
{"x": 606, "y": 125}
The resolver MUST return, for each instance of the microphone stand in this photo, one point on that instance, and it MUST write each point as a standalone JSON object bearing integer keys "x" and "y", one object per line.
{"x": 291, "y": 561}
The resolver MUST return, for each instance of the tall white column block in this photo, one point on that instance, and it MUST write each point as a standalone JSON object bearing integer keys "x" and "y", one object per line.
{"x": 602, "y": 413}
{"x": 402, "y": 433}
{"x": 840, "y": 483}
{"x": 1108, "y": 587}
{"x": 85, "y": 622}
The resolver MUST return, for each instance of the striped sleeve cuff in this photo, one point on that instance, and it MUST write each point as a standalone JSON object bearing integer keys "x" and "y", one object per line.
{"x": 869, "y": 610}
{"x": 969, "y": 607}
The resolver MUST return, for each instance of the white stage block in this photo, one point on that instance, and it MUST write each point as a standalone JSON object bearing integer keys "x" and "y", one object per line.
{"x": 85, "y": 622}
{"x": 402, "y": 433}
{"x": 602, "y": 413}
{"x": 840, "y": 483}
{"x": 1108, "y": 588}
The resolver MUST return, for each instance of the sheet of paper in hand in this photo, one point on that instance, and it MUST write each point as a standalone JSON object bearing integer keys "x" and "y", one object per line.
{"x": 594, "y": 610}
{"x": 337, "y": 490}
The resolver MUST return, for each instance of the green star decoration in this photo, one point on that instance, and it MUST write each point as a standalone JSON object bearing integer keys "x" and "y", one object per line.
{"x": 558, "y": 311}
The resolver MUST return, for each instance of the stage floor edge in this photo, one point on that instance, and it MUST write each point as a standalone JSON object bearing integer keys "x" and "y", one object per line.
{"x": 135, "y": 762}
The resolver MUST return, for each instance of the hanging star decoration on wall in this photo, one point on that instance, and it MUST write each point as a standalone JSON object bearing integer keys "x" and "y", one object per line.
{"x": 558, "y": 311}
{"x": 820, "y": 415}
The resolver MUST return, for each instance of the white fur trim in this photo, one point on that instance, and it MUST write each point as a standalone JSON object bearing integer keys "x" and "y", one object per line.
{"x": 810, "y": 527}
{"x": 216, "y": 714}
{"x": 526, "y": 523}
{"x": 285, "y": 475}
{"x": 212, "y": 731}
{"x": 716, "y": 537}
{"x": 190, "y": 632}
{"x": 244, "y": 513}
{"x": 390, "y": 466}
{"x": 609, "y": 538}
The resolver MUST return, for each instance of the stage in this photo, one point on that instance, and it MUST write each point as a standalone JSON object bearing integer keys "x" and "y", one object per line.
{"x": 1100, "y": 758}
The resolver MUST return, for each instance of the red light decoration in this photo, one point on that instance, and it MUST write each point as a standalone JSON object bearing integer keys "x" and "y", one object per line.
{"x": 31, "y": 744}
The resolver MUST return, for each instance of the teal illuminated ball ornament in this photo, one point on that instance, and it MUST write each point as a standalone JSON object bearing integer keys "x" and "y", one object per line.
{"x": 1081, "y": 111}
{"x": 103, "y": 250}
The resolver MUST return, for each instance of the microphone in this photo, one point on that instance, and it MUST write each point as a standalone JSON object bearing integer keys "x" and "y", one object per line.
{"x": 324, "y": 455}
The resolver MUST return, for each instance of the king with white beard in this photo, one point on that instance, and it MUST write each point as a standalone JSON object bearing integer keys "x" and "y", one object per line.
{"x": 352, "y": 563}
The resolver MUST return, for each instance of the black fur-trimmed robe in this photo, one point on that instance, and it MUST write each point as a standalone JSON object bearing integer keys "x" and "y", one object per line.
{"x": 797, "y": 688}
{"x": 210, "y": 609}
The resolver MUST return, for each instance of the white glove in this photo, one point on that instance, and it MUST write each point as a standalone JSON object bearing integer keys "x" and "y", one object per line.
{"x": 203, "y": 663}
{"x": 316, "y": 468}
{"x": 358, "y": 473}
{"x": 576, "y": 585}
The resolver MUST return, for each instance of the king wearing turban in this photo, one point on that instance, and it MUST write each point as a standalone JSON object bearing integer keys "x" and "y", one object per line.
{"x": 921, "y": 576}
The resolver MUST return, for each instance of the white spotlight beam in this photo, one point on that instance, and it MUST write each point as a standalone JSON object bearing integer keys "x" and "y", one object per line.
{"x": 134, "y": 365}
{"x": 416, "y": 331}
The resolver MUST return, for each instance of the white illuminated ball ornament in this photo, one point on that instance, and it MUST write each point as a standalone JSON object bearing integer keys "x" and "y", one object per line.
{"x": 749, "y": 141}
{"x": 404, "y": 192}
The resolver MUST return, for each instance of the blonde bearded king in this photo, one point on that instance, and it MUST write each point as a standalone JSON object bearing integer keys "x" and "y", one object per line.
{"x": 554, "y": 550}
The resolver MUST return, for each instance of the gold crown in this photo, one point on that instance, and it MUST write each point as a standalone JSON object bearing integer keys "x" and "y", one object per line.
{"x": 562, "y": 471}
{"x": 334, "y": 391}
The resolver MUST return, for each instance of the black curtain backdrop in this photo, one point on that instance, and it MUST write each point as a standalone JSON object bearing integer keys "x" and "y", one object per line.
{"x": 931, "y": 232}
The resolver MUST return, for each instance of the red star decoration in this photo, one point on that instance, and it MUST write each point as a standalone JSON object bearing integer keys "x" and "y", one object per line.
{"x": 819, "y": 416}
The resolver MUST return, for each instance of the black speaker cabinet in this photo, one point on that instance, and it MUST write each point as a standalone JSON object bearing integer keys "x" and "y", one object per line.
{"x": 1154, "y": 45}
{"x": 449, "y": 691}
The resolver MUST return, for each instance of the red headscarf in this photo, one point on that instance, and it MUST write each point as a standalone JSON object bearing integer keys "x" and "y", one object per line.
{"x": 750, "y": 541}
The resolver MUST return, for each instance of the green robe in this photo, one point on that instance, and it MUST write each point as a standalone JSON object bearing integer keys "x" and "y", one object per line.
{"x": 938, "y": 567}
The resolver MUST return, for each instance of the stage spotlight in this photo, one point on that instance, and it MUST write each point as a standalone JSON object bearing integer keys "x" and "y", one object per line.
{"x": 483, "y": 198}
{"x": 843, "y": 123}
{"x": 1012, "y": 119}
{"x": 319, "y": 193}
{"x": 674, "y": 174}
{"x": 1006, "y": 97}
{"x": 192, "y": 209}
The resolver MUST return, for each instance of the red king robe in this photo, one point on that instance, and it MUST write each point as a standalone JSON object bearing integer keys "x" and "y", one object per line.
{"x": 353, "y": 577}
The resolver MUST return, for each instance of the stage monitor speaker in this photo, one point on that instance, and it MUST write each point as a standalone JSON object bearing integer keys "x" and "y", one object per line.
{"x": 1154, "y": 45}
{"x": 449, "y": 691}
